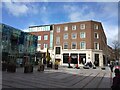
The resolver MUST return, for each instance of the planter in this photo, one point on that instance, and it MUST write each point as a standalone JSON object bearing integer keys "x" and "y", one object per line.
{"x": 56, "y": 67}
{"x": 40, "y": 68}
{"x": 28, "y": 69}
{"x": 4, "y": 66}
{"x": 49, "y": 65}
{"x": 11, "y": 67}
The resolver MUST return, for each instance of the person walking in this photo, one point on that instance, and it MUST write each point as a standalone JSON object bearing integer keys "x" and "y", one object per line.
{"x": 111, "y": 67}
{"x": 116, "y": 80}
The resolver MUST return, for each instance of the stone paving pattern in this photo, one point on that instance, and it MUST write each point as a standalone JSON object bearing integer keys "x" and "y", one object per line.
{"x": 62, "y": 78}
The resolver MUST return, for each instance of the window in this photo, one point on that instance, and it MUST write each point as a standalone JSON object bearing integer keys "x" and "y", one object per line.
{"x": 39, "y": 37}
{"x": 57, "y": 40}
{"x": 45, "y": 45}
{"x": 57, "y": 50}
{"x": 66, "y": 36}
{"x": 74, "y": 27}
{"x": 82, "y": 45}
{"x": 45, "y": 37}
{"x": 38, "y": 45}
{"x": 74, "y": 45}
{"x": 58, "y": 29}
{"x": 65, "y": 45}
{"x": 66, "y": 28}
{"x": 96, "y": 45}
{"x": 96, "y": 35}
{"x": 82, "y": 26}
{"x": 95, "y": 26}
{"x": 74, "y": 35}
{"x": 82, "y": 35}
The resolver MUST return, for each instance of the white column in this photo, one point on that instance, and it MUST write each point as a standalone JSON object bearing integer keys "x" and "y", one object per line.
{"x": 78, "y": 59}
{"x": 101, "y": 60}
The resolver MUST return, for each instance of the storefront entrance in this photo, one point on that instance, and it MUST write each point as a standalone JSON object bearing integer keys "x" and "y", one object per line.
{"x": 74, "y": 58}
{"x": 65, "y": 57}
{"x": 82, "y": 58}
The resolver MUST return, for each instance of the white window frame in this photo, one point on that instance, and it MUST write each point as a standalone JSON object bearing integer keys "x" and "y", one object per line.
{"x": 75, "y": 35}
{"x": 97, "y": 46}
{"x": 65, "y": 36}
{"x": 72, "y": 44}
{"x": 73, "y": 27}
{"x": 96, "y": 26}
{"x": 84, "y": 36}
{"x": 83, "y": 46}
{"x": 39, "y": 37}
{"x": 95, "y": 35}
{"x": 45, "y": 37}
{"x": 58, "y": 29}
{"x": 65, "y": 28}
{"x": 64, "y": 45}
{"x": 82, "y": 26}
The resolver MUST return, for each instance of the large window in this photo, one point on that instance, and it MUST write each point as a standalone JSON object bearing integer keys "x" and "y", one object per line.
{"x": 96, "y": 45}
{"x": 45, "y": 45}
{"x": 82, "y": 45}
{"x": 96, "y": 26}
{"x": 82, "y": 26}
{"x": 65, "y": 45}
{"x": 45, "y": 37}
{"x": 57, "y": 40}
{"x": 39, "y": 37}
{"x": 57, "y": 50}
{"x": 74, "y": 45}
{"x": 66, "y": 36}
{"x": 66, "y": 28}
{"x": 96, "y": 35}
{"x": 74, "y": 27}
{"x": 58, "y": 29}
{"x": 82, "y": 34}
{"x": 74, "y": 35}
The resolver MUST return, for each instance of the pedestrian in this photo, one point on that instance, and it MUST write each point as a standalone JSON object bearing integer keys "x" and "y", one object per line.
{"x": 116, "y": 80}
{"x": 111, "y": 67}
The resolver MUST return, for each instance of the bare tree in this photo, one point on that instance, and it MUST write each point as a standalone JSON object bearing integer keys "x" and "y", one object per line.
{"x": 116, "y": 48}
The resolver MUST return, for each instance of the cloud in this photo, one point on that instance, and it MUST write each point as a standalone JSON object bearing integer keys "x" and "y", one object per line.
{"x": 77, "y": 13}
{"x": 16, "y": 9}
{"x": 21, "y": 8}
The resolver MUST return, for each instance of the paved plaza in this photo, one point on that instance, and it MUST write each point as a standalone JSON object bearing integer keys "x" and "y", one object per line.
{"x": 62, "y": 78}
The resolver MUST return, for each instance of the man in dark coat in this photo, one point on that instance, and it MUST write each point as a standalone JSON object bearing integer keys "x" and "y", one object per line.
{"x": 116, "y": 80}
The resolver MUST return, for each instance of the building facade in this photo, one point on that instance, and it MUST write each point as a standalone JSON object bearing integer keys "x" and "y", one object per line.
{"x": 79, "y": 42}
{"x": 45, "y": 38}
{"x": 17, "y": 46}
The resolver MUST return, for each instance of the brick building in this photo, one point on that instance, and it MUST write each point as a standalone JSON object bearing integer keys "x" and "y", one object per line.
{"x": 81, "y": 42}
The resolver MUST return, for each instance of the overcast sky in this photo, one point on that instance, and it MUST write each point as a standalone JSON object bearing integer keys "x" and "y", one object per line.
{"x": 21, "y": 15}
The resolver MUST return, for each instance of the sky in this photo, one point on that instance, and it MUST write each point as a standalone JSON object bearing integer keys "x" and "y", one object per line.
{"x": 22, "y": 14}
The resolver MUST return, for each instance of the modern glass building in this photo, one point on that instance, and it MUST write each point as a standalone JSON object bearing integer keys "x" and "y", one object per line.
{"x": 17, "y": 46}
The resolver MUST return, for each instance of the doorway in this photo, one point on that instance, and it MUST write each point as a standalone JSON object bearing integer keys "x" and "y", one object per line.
{"x": 96, "y": 60}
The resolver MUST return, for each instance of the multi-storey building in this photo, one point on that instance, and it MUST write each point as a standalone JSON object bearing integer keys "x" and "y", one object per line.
{"x": 17, "y": 46}
{"x": 79, "y": 42}
{"x": 45, "y": 38}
